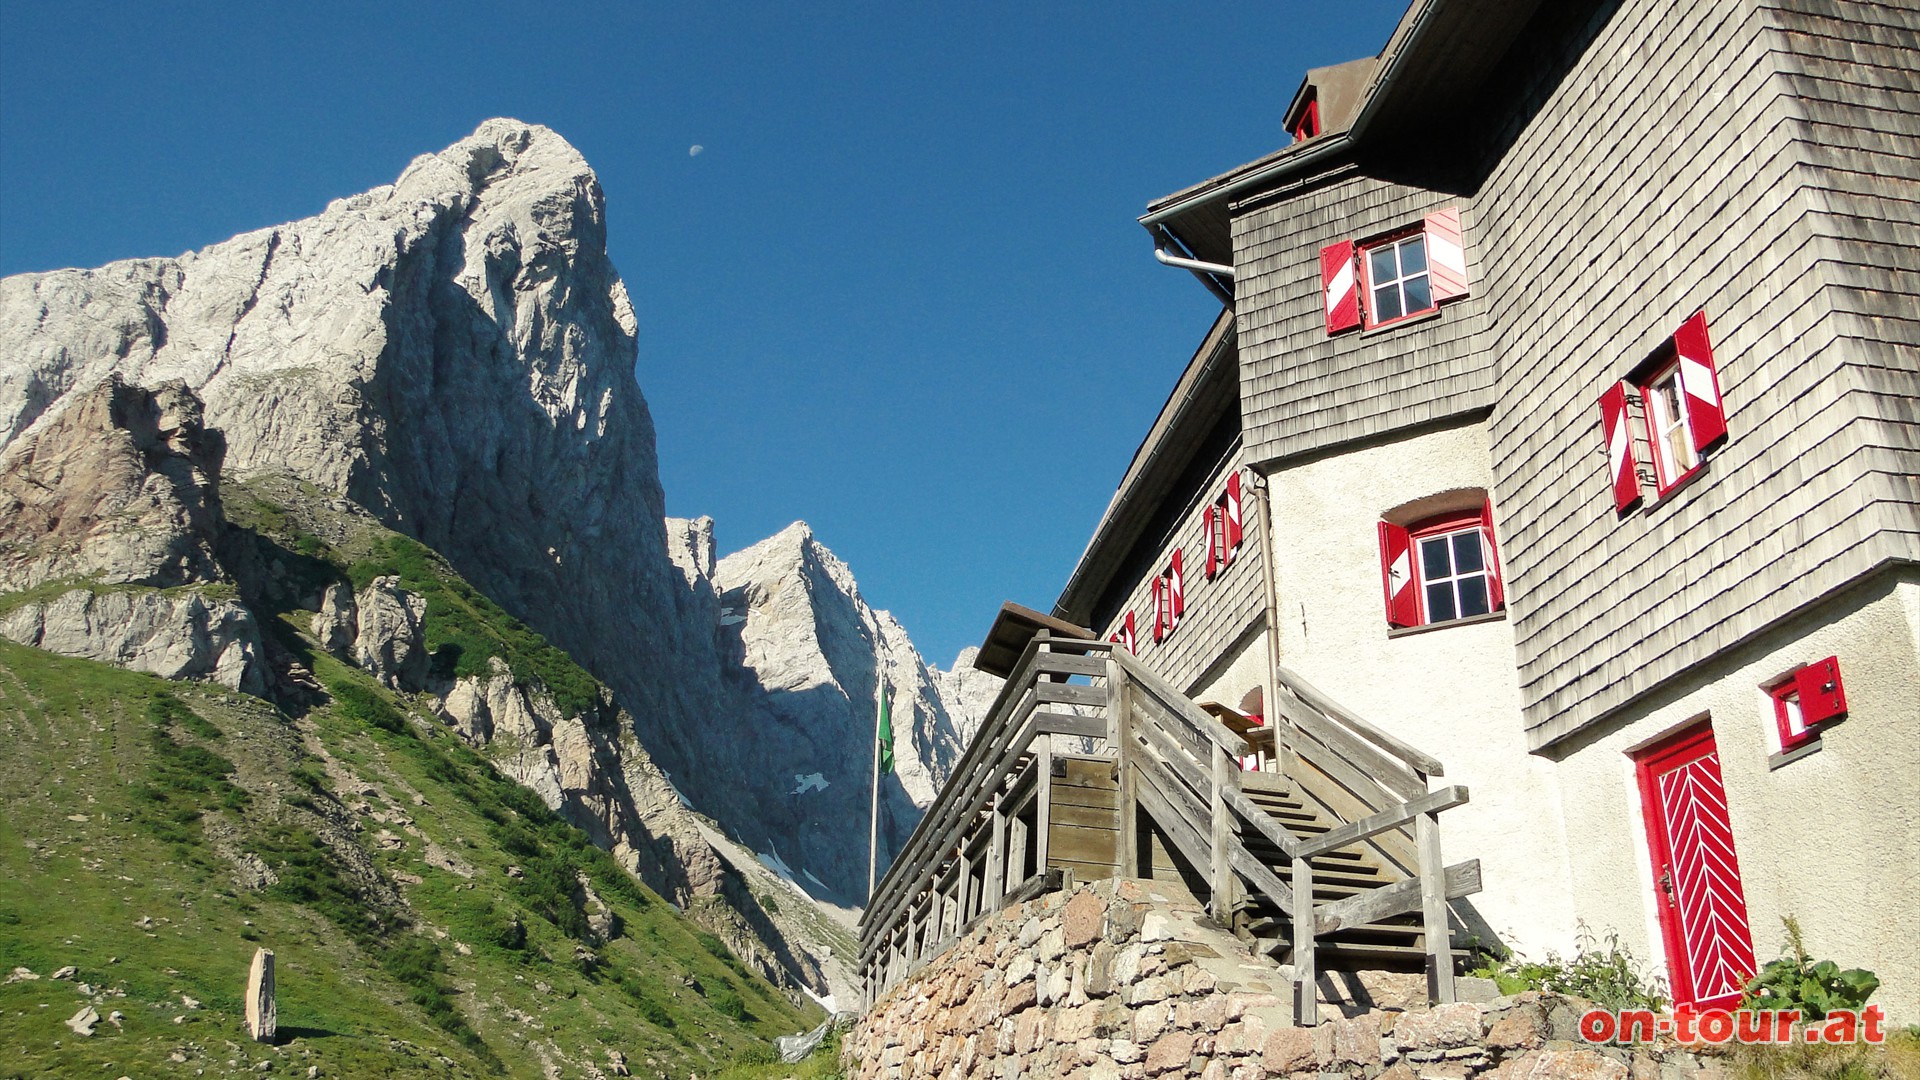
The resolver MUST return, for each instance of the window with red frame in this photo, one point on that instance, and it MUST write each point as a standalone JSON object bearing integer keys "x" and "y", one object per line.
{"x": 1223, "y": 529}
{"x": 1308, "y": 124}
{"x": 1806, "y": 698}
{"x": 1169, "y": 599}
{"x": 1398, "y": 285}
{"x": 1401, "y": 274}
{"x": 1124, "y": 636}
{"x": 1679, "y": 394}
{"x": 1441, "y": 570}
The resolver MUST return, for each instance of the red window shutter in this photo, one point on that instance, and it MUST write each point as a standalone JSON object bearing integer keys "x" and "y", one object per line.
{"x": 1396, "y": 575}
{"x": 1176, "y": 578}
{"x": 1212, "y": 529}
{"x": 1613, "y": 428}
{"x": 1496, "y": 587}
{"x": 1446, "y": 255}
{"x": 1821, "y": 695}
{"x": 1700, "y": 381}
{"x": 1133, "y": 639}
{"x": 1235, "y": 533}
{"x": 1338, "y": 286}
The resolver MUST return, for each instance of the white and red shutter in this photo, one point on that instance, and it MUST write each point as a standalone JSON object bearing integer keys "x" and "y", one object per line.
{"x": 1176, "y": 578}
{"x": 1214, "y": 529}
{"x": 1160, "y": 626}
{"x": 1339, "y": 286}
{"x": 1234, "y": 531}
{"x": 1620, "y": 463}
{"x": 1446, "y": 255}
{"x": 1124, "y": 636}
{"x": 1821, "y": 695}
{"x": 1396, "y": 576}
{"x": 1700, "y": 381}
{"x": 1490, "y": 550}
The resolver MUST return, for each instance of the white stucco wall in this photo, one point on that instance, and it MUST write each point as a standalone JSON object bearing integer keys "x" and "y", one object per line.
{"x": 1450, "y": 691}
{"x": 1832, "y": 839}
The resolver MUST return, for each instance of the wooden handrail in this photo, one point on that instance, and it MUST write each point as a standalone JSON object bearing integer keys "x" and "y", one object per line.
{"x": 1420, "y": 762}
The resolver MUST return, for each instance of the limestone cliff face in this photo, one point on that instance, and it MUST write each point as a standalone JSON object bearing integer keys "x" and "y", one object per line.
{"x": 453, "y": 353}
{"x": 809, "y": 653}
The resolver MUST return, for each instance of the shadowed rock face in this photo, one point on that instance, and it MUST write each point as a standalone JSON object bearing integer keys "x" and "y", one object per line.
{"x": 121, "y": 487}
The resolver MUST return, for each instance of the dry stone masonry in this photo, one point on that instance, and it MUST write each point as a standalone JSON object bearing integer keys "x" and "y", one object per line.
{"x": 1124, "y": 979}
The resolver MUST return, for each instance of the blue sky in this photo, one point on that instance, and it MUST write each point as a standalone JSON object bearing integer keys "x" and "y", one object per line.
{"x": 899, "y": 294}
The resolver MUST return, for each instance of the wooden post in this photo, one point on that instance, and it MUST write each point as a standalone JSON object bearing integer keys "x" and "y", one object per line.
{"x": 1306, "y": 990}
{"x": 995, "y": 885}
{"x": 1221, "y": 822}
{"x": 1043, "y": 798}
{"x": 1120, "y": 727}
{"x": 1433, "y": 909}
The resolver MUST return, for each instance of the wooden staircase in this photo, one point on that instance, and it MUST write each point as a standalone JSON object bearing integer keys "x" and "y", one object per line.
{"x": 1091, "y": 764}
{"x": 1394, "y": 943}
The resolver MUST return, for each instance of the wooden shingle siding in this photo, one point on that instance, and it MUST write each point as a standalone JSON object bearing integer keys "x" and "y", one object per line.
{"x": 1303, "y": 390}
{"x": 1218, "y": 611}
{"x": 1698, "y": 155}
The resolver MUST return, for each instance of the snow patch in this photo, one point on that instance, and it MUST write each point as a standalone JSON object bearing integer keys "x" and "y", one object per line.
{"x": 809, "y": 782}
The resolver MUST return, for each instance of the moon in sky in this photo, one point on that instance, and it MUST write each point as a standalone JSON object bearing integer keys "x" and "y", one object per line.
{"x": 694, "y": 150}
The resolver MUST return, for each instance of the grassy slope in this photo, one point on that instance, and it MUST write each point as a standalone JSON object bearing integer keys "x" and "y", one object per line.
{"x": 120, "y": 808}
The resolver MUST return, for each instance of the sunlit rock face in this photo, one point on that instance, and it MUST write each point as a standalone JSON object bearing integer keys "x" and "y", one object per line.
{"x": 454, "y": 354}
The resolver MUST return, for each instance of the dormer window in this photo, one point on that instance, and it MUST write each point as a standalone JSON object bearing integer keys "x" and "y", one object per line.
{"x": 1307, "y": 124}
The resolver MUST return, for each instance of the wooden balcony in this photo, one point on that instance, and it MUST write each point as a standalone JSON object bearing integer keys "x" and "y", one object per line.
{"x": 1092, "y": 766}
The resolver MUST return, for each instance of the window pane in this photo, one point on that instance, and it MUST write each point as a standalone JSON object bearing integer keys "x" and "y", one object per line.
{"x": 1440, "y": 602}
{"x": 1413, "y": 255}
{"x": 1466, "y": 551}
{"x": 1433, "y": 559}
{"x": 1473, "y": 596}
{"x": 1386, "y": 304}
{"x": 1382, "y": 262}
{"x": 1419, "y": 295}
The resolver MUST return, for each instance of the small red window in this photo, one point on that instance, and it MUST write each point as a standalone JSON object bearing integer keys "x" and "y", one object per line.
{"x": 1308, "y": 124}
{"x": 1169, "y": 599}
{"x": 1805, "y": 699}
{"x": 1223, "y": 528}
{"x": 1124, "y": 636}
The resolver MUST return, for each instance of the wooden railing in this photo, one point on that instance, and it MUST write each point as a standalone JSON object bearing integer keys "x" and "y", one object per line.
{"x": 984, "y": 842}
{"x": 1180, "y": 765}
{"x": 985, "y": 837}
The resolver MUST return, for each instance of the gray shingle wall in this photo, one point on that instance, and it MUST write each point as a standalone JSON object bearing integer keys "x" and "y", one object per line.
{"x": 1606, "y": 241}
{"x": 1755, "y": 158}
{"x": 1853, "y": 75}
{"x": 1217, "y": 611}
{"x": 1303, "y": 391}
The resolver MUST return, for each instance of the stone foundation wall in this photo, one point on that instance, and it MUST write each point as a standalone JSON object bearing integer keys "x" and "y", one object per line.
{"x": 1120, "y": 979}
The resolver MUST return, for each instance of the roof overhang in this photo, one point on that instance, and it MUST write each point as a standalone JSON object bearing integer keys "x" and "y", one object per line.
{"x": 1208, "y": 388}
{"x": 1012, "y": 629}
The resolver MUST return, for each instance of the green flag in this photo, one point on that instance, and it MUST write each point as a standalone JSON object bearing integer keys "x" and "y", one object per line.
{"x": 885, "y": 733}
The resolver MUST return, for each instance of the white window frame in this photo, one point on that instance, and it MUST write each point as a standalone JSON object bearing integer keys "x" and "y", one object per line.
{"x": 1669, "y": 428}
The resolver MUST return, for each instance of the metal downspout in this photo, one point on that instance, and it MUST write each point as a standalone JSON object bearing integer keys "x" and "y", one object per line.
{"x": 1262, "y": 507}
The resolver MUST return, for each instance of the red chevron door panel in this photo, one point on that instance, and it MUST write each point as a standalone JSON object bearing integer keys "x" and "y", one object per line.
{"x": 1703, "y": 911}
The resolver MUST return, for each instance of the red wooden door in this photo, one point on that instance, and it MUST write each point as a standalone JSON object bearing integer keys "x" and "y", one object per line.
{"x": 1703, "y": 911}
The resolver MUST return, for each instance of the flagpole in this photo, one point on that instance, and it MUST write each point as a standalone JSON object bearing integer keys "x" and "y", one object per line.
{"x": 873, "y": 811}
